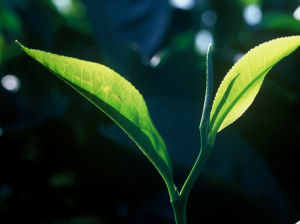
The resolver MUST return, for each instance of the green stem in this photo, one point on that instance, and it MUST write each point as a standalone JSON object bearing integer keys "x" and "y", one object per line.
{"x": 179, "y": 205}
{"x": 204, "y": 129}
{"x": 191, "y": 179}
{"x": 179, "y": 209}
{"x": 172, "y": 189}
{"x": 179, "y": 200}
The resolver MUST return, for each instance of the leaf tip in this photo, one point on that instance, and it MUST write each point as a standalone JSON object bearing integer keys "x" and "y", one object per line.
{"x": 17, "y": 42}
{"x": 209, "y": 48}
{"x": 20, "y": 45}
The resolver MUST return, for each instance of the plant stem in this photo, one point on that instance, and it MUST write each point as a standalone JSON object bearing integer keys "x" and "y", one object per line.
{"x": 190, "y": 181}
{"x": 204, "y": 129}
{"x": 175, "y": 200}
{"x": 179, "y": 205}
{"x": 179, "y": 200}
{"x": 179, "y": 209}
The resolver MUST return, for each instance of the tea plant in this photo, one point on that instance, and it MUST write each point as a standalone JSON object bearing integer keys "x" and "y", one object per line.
{"x": 119, "y": 100}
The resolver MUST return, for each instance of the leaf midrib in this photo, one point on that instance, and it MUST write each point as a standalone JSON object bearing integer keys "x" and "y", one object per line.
{"x": 162, "y": 166}
{"x": 230, "y": 106}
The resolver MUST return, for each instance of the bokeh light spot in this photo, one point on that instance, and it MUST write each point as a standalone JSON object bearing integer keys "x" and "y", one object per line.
{"x": 10, "y": 83}
{"x": 64, "y": 6}
{"x": 296, "y": 13}
{"x": 237, "y": 57}
{"x": 209, "y": 17}
{"x": 202, "y": 40}
{"x": 252, "y": 14}
{"x": 183, "y": 4}
{"x": 155, "y": 60}
{"x": 1, "y": 131}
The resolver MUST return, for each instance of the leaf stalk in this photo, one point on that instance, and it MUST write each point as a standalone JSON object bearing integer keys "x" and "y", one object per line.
{"x": 179, "y": 206}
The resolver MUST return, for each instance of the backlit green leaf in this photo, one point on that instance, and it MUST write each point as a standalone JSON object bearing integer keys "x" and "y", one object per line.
{"x": 116, "y": 97}
{"x": 243, "y": 81}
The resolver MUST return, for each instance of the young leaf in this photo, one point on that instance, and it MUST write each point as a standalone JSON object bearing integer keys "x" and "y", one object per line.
{"x": 116, "y": 97}
{"x": 243, "y": 81}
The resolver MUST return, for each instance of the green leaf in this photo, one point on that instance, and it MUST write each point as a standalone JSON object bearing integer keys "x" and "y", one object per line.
{"x": 205, "y": 119}
{"x": 243, "y": 81}
{"x": 116, "y": 97}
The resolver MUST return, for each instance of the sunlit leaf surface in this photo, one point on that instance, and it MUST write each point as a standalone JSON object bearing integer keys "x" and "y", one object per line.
{"x": 243, "y": 81}
{"x": 116, "y": 97}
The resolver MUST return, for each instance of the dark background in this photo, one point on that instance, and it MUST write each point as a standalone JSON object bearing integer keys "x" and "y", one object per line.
{"x": 63, "y": 161}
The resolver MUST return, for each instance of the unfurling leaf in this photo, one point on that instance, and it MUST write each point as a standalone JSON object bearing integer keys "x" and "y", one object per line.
{"x": 243, "y": 81}
{"x": 116, "y": 97}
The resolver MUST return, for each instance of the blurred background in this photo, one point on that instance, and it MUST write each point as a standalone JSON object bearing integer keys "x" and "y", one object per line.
{"x": 63, "y": 161}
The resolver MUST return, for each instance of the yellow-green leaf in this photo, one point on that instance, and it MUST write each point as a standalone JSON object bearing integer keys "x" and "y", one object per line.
{"x": 116, "y": 97}
{"x": 243, "y": 81}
